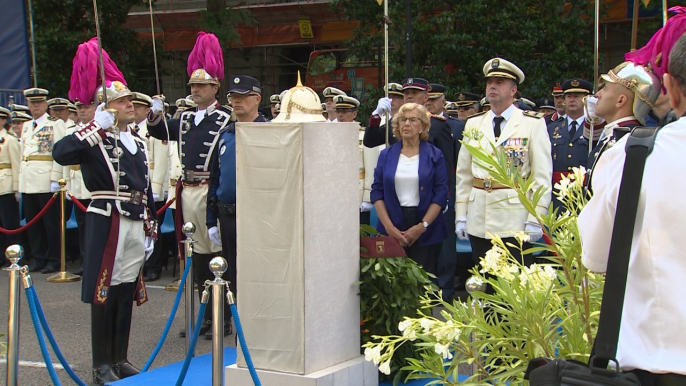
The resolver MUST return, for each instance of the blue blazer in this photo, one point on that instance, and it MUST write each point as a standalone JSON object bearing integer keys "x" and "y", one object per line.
{"x": 433, "y": 187}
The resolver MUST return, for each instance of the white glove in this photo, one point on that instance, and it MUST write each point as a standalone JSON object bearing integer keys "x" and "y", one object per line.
{"x": 54, "y": 186}
{"x": 592, "y": 103}
{"x": 383, "y": 107}
{"x": 461, "y": 228}
{"x": 149, "y": 247}
{"x": 534, "y": 230}
{"x": 213, "y": 233}
{"x": 366, "y": 206}
{"x": 155, "y": 197}
{"x": 157, "y": 105}
{"x": 17, "y": 196}
{"x": 103, "y": 118}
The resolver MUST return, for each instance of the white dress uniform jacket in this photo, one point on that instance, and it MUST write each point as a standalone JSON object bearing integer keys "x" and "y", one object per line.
{"x": 38, "y": 168}
{"x": 499, "y": 212}
{"x": 10, "y": 162}
{"x": 73, "y": 173}
{"x": 651, "y": 335}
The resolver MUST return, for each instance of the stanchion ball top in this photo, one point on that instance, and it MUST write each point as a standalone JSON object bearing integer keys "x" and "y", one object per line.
{"x": 218, "y": 266}
{"x": 474, "y": 285}
{"x": 188, "y": 229}
{"x": 14, "y": 253}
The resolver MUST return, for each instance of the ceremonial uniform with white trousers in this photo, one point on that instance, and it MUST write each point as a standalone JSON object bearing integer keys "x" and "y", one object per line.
{"x": 196, "y": 132}
{"x": 651, "y": 336}
{"x": 10, "y": 162}
{"x": 37, "y": 180}
{"x": 492, "y": 209}
{"x": 115, "y": 236}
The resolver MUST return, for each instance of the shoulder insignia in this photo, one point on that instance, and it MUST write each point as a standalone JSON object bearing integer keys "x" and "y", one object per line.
{"x": 439, "y": 117}
{"x": 476, "y": 115}
{"x": 52, "y": 118}
{"x": 532, "y": 114}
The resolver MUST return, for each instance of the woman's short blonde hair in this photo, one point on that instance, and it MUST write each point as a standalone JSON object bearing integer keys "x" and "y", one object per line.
{"x": 423, "y": 118}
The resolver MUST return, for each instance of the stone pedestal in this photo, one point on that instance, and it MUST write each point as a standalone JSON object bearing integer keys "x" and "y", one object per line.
{"x": 298, "y": 253}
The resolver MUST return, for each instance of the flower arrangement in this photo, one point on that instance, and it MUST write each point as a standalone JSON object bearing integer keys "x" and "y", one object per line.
{"x": 548, "y": 309}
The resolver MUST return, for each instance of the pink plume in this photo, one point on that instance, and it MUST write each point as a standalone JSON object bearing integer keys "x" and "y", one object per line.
{"x": 207, "y": 54}
{"x": 85, "y": 76}
{"x": 656, "y": 52}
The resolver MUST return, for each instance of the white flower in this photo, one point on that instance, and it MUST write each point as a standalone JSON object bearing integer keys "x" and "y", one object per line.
{"x": 372, "y": 354}
{"x": 491, "y": 261}
{"x": 403, "y": 325}
{"x": 426, "y": 324}
{"x": 385, "y": 367}
{"x": 443, "y": 350}
{"x": 550, "y": 271}
{"x": 522, "y": 237}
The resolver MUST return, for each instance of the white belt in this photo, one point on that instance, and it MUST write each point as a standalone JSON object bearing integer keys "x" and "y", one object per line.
{"x": 134, "y": 198}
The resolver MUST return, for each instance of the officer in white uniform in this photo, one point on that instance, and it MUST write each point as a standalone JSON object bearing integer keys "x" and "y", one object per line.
{"x": 10, "y": 162}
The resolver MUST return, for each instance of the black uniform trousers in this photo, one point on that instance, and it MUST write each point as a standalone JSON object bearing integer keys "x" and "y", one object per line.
{"x": 447, "y": 260}
{"x": 201, "y": 263}
{"x": 9, "y": 219}
{"x": 44, "y": 235}
{"x": 481, "y": 246}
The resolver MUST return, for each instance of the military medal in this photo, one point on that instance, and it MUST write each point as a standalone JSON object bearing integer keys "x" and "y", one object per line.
{"x": 556, "y": 133}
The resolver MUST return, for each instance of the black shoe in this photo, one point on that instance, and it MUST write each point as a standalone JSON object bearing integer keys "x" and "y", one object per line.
{"x": 151, "y": 276}
{"x": 125, "y": 369}
{"x": 206, "y": 326}
{"x": 37, "y": 266}
{"x": 78, "y": 272}
{"x": 228, "y": 329}
{"x": 50, "y": 269}
{"x": 104, "y": 374}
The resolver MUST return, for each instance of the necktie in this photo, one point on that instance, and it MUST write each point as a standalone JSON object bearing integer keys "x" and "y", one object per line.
{"x": 572, "y": 131}
{"x": 35, "y": 124}
{"x": 496, "y": 130}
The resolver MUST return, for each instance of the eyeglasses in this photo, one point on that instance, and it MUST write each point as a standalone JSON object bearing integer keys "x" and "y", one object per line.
{"x": 412, "y": 120}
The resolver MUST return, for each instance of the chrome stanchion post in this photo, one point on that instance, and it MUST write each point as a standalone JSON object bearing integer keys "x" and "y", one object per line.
{"x": 63, "y": 276}
{"x": 14, "y": 253}
{"x": 475, "y": 286}
{"x": 188, "y": 230}
{"x": 218, "y": 266}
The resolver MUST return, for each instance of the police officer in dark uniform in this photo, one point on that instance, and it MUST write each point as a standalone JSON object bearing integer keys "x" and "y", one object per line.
{"x": 569, "y": 147}
{"x": 245, "y": 93}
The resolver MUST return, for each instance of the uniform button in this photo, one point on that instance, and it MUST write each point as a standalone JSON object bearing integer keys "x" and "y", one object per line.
{"x": 554, "y": 144}
{"x": 569, "y": 156}
{"x": 569, "y": 168}
{"x": 421, "y": 188}
{"x": 571, "y": 144}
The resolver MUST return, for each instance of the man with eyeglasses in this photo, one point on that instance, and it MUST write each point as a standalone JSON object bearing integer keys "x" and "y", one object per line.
{"x": 484, "y": 207}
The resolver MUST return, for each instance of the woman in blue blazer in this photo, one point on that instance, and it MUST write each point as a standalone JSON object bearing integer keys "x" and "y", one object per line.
{"x": 410, "y": 188}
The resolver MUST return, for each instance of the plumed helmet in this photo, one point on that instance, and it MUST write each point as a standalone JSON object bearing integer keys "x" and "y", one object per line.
{"x": 644, "y": 83}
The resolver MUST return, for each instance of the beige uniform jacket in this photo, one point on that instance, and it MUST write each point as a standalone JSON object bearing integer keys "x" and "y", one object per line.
{"x": 499, "y": 212}
{"x": 38, "y": 168}
{"x": 72, "y": 173}
{"x": 159, "y": 160}
{"x": 175, "y": 171}
{"x": 10, "y": 162}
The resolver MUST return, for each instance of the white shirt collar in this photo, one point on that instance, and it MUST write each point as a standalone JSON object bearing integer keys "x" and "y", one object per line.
{"x": 579, "y": 121}
{"x": 507, "y": 114}
{"x": 41, "y": 119}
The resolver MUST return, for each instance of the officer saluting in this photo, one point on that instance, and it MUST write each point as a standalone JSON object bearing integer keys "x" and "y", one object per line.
{"x": 484, "y": 207}
{"x": 569, "y": 146}
{"x": 38, "y": 181}
{"x": 114, "y": 165}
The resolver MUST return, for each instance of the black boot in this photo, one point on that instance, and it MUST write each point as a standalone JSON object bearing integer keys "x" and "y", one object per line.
{"x": 101, "y": 339}
{"x": 122, "y": 330}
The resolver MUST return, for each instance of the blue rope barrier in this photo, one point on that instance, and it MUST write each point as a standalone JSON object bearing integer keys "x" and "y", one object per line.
{"x": 175, "y": 307}
{"x": 244, "y": 346}
{"x": 194, "y": 340}
{"x": 41, "y": 339}
{"x": 31, "y": 291}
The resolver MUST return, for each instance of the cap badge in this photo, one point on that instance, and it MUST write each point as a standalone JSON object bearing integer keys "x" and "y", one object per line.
{"x": 409, "y": 81}
{"x": 495, "y": 63}
{"x": 236, "y": 80}
{"x": 575, "y": 83}
{"x": 197, "y": 73}
{"x": 460, "y": 97}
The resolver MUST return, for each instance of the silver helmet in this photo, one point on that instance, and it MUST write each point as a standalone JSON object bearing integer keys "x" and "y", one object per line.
{"x": 642, "y": 81}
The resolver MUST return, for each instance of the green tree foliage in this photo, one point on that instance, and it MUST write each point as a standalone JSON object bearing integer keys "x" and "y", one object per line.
{"x": 550, "y": 40}
{"x": 61, "y": 26}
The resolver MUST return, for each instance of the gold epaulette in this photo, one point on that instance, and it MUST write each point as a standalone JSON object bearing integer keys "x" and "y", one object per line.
{"x": 532, "y": 114}
{"x": 439, "y": 117}
{"x": 476, "y": 115}
{"x": 52, "y": 118}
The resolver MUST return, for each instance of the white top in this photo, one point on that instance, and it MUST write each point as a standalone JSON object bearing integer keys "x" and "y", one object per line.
{"x": 651, "y": 335}
{"x": 407, "y": 180}
{"x": 128, "y": 141}
{"x": 199, "y": 116}
{"x": 507, "y": 114}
